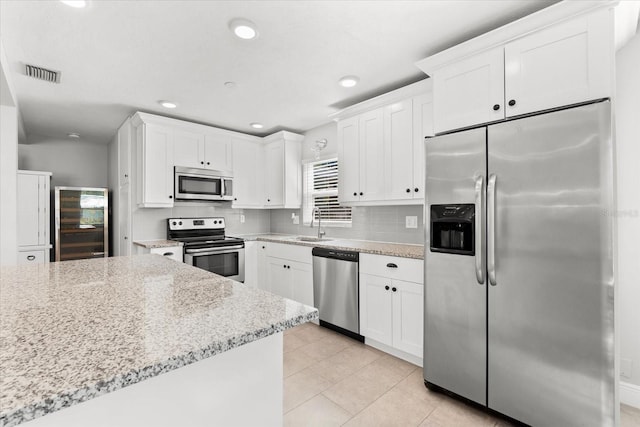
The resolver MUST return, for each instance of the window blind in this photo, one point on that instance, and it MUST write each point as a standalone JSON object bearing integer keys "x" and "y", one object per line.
{"x": 321, "y": 191}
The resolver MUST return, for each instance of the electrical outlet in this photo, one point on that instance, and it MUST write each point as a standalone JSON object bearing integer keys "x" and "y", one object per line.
{"x": 626, "y": 368}
{"x": 241, "y": 219}
{"x": 411, "y": 221}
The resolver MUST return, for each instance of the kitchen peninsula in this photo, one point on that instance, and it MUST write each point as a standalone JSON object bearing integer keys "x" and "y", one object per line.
{"x": 141, "y": 340}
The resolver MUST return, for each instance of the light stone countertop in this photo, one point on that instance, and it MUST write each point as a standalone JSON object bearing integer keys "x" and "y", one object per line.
{"x": 152, "y": 244}
{"x": 74, "y": 330}
{"x": 404, "y": 250}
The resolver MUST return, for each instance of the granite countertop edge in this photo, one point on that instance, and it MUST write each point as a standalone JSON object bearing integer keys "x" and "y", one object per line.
{"x": 354, "y": 245}
{"x": 161, "y": 243}
{"x": 69, "y": 398}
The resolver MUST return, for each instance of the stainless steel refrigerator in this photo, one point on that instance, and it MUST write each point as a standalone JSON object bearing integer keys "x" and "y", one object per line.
{"x": 519, "y": 284}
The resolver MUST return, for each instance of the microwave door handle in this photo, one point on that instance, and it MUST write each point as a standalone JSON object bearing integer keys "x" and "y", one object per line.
{"x": 491, "y": 229}
{"x": 479, "y": 230}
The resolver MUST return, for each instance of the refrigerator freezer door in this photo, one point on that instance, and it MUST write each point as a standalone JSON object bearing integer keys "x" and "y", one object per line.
{"x": 550, "y": 313}
{"x": 455, "y": 301}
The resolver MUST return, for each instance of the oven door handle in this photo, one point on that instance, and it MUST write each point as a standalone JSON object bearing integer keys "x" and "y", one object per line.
{"x": 211, "y": 251}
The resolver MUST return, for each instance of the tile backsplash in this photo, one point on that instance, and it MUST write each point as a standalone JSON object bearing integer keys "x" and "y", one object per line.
{"x": 379, "y": 223}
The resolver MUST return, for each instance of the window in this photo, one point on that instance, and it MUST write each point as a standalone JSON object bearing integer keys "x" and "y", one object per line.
{"x": 321, "y": 191}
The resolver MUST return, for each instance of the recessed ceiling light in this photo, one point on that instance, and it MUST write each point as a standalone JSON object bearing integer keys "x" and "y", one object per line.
{"x": 168, "y": 104}
{"x": 75, "y": 3}
{"x": 257, "y": 125}
{"x": 243, "y": 28}
{"x": 73, "y": 135}
{"x": 230, "y": 85}
{"x": 349, "y": 81}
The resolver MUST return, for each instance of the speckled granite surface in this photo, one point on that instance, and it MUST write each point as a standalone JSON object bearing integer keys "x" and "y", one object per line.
{"x": 71, "y": 331}
{"x": 151, "y": 244}
{"x": 403, "y": 250}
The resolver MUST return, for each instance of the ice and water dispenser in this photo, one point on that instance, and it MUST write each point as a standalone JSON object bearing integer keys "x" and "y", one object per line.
{"x": 452, "y": 229}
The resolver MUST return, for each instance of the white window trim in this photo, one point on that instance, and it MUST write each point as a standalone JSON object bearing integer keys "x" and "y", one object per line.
{"x": 306, "y": 199}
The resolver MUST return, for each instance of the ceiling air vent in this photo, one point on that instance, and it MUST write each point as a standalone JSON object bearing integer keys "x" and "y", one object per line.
{"x": 42, "y": 73}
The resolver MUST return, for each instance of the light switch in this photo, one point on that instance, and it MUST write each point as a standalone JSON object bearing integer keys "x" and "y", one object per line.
{"x": 241, "y": 219}
{"x": 626, "y": 368}
{"x": 411, "y": 221}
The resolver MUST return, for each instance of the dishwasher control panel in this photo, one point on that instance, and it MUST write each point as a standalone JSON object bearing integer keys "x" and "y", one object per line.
{"x": 336, "y": 254}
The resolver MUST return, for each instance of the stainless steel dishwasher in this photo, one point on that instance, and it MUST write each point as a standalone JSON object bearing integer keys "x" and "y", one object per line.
{"x": 335, "y": 290}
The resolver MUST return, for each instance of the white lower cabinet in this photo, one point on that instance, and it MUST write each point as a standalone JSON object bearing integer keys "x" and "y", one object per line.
{"x": 40, "y": 256}
{"x": 33, "y": 190}
{"x": 289, "y": 272}
{"x": 391, "y": 309}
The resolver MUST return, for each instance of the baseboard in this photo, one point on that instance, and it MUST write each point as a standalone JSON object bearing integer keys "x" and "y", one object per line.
{"x": 630, "y": 394}
{"x": 394, "y": 352}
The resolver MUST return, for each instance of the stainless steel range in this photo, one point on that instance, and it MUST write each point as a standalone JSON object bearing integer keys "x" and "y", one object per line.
{"x": 207, "y": 247}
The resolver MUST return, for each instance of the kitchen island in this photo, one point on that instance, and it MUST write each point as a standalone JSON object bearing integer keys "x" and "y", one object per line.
{"x": 141, "y": 340}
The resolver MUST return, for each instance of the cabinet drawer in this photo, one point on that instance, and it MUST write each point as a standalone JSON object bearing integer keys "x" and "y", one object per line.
{"x": 173, "y": 252}
{"x": 290, "y": 252}
{"x": 407, "y": 269}
{"x": 32, "y": 257}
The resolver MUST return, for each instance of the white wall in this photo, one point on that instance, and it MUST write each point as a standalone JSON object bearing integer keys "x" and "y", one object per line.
{"x": 73, "y": 163}
{"x": 8, "y": 168}
{"x": 329, "y": 132}
{"x": 627, "y": 118}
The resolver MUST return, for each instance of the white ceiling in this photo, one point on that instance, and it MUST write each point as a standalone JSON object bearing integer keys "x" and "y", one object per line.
{"x": 118, "y": 57}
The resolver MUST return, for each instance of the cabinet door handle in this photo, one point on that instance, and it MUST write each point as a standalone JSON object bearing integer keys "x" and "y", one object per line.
{"x": 408, "y": 190}
{"x": 31, "y": 257}
{"x": 394, "y": 289}
{"x": 167, "y": 254}
{"x": 512, "y": 102}
{"x": 386, "y": 288}
{"x": 496, "y": 107}
{"x": 392, "y": 265}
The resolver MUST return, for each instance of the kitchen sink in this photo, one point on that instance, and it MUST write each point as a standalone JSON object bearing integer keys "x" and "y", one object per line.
{"x": 312, "y": 239}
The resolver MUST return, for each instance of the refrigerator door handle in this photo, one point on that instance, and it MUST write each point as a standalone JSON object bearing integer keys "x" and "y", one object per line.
{"x": 479, "y": 237}
{"x": 491, "y": 229}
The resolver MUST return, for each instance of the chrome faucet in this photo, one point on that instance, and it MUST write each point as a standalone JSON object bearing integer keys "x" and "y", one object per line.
{"x": 313, "y": 214}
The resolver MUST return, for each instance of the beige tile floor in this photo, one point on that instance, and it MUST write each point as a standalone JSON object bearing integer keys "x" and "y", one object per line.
{"x": 331, "y": 380}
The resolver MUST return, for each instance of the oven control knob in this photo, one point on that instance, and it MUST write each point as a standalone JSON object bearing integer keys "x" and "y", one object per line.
{"x": 215, "y": 222}
{"x": 180, "y": 223}
{"x": 174, "y": 223}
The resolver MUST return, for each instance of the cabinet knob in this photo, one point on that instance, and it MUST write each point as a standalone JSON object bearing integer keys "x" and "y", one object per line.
{"x": 268, "y": 200}
{"x": 393, "y": 289}
{"x": 126, "y": 175}
{"x": 235, "y": 199}
{"x": 171, "y": 197}
{"x": 288, "y": 266}
{"x": 263, "y": 247}
{"x": 125, "y": 237}
{"x": 31, "y": 257}
{"x": 416, "y": 189}
{"x": 408, "y": 190}
{"x": 202, "y": 163}
{"x": 386, "y": 288}
{"x": 208, "y": 163}
{"x": 355, "y": 194}
{"x": 512, "y": 102}
{"x": 496, "y": 107}
{"x": 361, "y": 193}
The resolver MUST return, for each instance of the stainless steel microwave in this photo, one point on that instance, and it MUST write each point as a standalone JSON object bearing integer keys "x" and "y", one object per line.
{"x": 202, "y": 184}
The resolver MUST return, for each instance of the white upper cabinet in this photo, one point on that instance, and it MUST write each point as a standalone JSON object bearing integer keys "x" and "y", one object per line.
{"x": 154, "y": 154}
{"x": 201, "y": 150}
{"x": 349, "y": 155}
{"x": 398, "y": 150}
{"x": 248, "y": 182}
{"x": 561, "y": 65}
{"x": 188, "y": 149}
{"x": 422, "y": 128}
{"x": 470, "y": 91}
{"x": 381, "y": 150}
{"x": 282, "y": 171}
{"x": 218, "y": 153}
{"x": 541, "y": 62}
{"x": 372, "y": 179}
{"x": 124, "y": 153}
